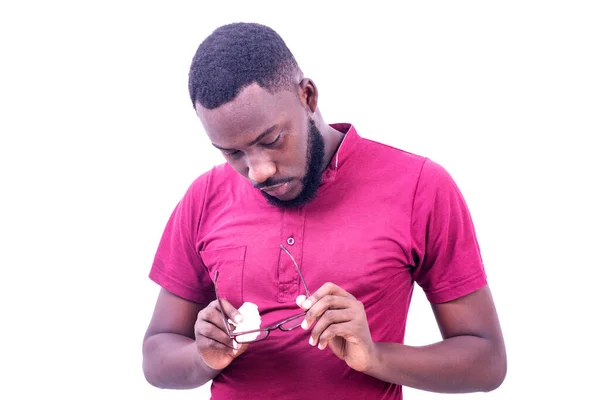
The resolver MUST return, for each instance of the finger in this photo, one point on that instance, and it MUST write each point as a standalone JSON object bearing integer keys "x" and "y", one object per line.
{"x": 231, "y": 312}
{"x": 329, "y": 319}
{"x": 325, "y": 290}
{"x": 211, "y": 324}
{"x": 239, "y": 349}
{"x": 300, "y": 299}
{"x": 230, "y": 348}
{"x": 328, "y": 302}
{"x": 212, "y": 313}
{"x": 346, "y": 330}
{"x": 212, "y": 330}
{"x": 214, "y": 340}
{"x": 213, "y": 336}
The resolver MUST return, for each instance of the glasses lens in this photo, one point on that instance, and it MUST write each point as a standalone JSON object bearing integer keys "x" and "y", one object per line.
{"x": 251, "y": 337}
{"x": 293, "y": 323}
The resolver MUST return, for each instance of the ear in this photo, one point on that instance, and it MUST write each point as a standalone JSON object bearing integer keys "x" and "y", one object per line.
{"x": 308, "y": 93}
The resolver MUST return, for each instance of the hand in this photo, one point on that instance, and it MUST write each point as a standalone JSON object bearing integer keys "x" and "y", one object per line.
{"x": 215, "y": 347}
{"x": 341, "y": 324}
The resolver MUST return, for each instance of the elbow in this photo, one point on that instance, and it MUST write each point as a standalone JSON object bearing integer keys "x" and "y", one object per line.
{"x": 150, "y": 365}
{"x": 497, "y": 373}
{"x": 494, "y": 383}
{"x": 151, "y": 375}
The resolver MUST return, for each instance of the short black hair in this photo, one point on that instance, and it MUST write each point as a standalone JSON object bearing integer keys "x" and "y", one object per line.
{"x": 236, "y": 55}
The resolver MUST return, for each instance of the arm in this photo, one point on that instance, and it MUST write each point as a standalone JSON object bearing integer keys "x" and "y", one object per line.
{"x": 185, "y": 345}
{"x": 470, "y": 358}
{"x": 170, "y": 358}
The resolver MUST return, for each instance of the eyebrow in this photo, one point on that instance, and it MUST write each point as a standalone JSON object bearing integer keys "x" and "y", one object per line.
{"x": 255, "y": 140}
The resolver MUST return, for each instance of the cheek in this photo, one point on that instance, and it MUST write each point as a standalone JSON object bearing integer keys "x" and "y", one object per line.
{"x": 238, "y": 164}
{"x": 295, "y": 159}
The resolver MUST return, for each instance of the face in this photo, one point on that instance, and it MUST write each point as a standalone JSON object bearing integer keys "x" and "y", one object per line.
{"x": 271, "y": 139}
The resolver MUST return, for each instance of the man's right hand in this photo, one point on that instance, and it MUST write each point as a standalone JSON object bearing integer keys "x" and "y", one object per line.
{"x": 215, "y": 347}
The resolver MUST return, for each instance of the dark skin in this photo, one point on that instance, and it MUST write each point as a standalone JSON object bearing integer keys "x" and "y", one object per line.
{"x": 263, "y": 137}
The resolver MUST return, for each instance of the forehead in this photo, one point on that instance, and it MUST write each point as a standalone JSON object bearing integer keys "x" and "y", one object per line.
{"x": 252, "y": 111}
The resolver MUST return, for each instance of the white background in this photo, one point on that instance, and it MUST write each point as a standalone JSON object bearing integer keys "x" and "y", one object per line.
{"x": 99, "y": 141}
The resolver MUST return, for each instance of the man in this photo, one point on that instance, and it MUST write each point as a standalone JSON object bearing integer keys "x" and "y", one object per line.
{"x": 325, "y": 232}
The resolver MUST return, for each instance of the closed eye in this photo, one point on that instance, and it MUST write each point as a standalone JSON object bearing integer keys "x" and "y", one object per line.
{"x": 272, "y": 143}
{"x": 231, "y": 152}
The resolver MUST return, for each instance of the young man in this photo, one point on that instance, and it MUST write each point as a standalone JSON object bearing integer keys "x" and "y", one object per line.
{"x": 325, "y": 232}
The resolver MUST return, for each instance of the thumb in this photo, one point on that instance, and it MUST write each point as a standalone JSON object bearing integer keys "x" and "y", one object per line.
{"x": 239, "y": 349}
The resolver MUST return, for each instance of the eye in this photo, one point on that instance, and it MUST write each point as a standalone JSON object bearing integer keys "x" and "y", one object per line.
{"x": 231, "y": 153}
{"x": 272, "y": 143}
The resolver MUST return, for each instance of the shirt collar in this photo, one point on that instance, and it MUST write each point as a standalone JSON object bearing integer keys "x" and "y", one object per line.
{"x": 344, "y": 150}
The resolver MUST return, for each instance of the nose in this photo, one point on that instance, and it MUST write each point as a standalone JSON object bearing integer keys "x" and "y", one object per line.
{"x": 260, "y": 169}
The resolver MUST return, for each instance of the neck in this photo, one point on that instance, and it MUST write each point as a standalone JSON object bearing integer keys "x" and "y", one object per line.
{"x": 331, "y": 137}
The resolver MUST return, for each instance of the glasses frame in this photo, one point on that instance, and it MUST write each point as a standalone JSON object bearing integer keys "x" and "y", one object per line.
{"x": 268, "y": 329}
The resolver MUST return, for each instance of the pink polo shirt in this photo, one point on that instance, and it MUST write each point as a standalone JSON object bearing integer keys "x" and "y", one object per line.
{"x": 383, "y": 218}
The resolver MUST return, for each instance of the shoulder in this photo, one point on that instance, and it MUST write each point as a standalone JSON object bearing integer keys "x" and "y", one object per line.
{"x": 388, "y": 159}
{"x": 387, "y": 152}
{"x": 409, "y": 169}
{"x": 435, "y": 176}
{"x": 403, "y": 161}
{"x": 216, "y": 188}
{"x": 212, "y": 179}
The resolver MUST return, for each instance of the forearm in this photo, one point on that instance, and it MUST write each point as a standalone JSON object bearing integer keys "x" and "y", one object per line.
{"x": 461, "y": 364}
{"x": 172, "y": 361}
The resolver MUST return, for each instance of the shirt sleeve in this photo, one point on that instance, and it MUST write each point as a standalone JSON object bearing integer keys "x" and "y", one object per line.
{"x": 177, "y": 265}
{"x": 446, "y": 255}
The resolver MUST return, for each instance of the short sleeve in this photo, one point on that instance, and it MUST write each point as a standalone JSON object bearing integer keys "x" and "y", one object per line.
{"x": 177, "y": 266}
{"x": 446, "y": 255}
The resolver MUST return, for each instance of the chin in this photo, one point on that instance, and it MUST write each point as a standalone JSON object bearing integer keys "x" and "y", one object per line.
{"x": 293, "y": 193}
{"x": 294, "y": 199}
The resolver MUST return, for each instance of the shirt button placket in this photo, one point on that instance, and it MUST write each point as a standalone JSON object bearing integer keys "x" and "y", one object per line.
{"x": 292, "y": 236}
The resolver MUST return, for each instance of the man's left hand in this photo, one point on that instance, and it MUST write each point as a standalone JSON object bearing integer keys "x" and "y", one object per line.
{"x": 341, "y": 324}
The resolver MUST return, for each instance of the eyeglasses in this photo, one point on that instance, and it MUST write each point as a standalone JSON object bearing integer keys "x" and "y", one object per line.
{"x": 256, "y": 335}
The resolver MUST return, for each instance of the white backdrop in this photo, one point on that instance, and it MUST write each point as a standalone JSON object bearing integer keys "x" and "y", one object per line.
{"x": 99, "y": 141}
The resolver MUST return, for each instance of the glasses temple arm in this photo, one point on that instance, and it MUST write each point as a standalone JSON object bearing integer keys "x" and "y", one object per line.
{"x": 297, "y": 269}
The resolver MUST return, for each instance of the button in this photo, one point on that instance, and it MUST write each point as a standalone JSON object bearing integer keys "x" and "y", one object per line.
{"x": 291, "y": 241}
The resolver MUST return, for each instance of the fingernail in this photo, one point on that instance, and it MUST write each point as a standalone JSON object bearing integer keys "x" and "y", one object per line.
{"x": 306, "y": 304}
{"x": 321, "y": 346}
{"x": 300, "y": 299}
{"x": 236, "y": 346}
{"x": 304, "y": 324}
{"x": 238, "y": 318}
{"x": 311, "y": 341}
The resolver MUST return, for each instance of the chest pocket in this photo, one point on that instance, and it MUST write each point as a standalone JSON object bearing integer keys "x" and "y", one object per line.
{"x": 230, "y": 264}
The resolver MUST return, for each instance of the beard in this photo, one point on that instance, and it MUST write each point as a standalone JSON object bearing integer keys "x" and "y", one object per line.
{"x": 315, "y": 158}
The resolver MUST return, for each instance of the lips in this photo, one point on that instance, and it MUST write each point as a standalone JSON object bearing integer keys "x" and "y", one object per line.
{"x": 277, "y": 190}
